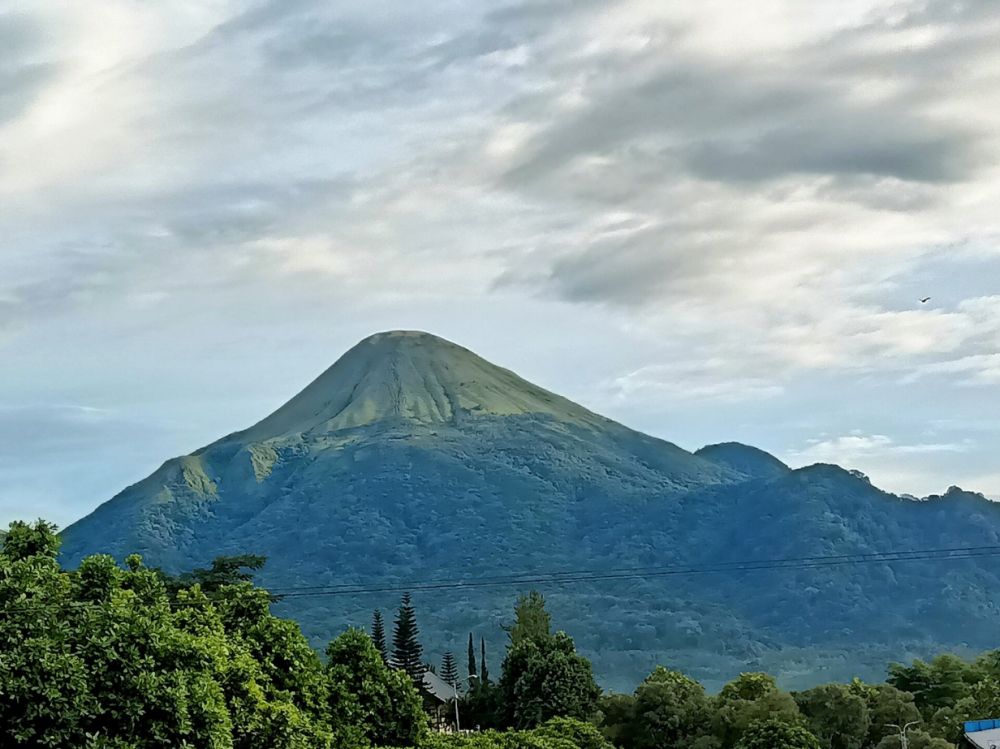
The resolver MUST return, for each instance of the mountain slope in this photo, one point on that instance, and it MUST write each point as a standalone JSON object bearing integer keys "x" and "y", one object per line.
{"x": 412, "y": 459}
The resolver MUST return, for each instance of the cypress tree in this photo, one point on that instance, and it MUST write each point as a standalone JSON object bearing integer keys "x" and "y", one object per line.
{"x": 484, "y": 675}
{"x": 449, "y": 669}
{"x": 407, "y": 654}
{"x": 378, "y": 636}
{"x": 472, "y": 657}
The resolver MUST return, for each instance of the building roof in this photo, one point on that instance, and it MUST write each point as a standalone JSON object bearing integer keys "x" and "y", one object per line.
{"x": 438, "y": 687}
{"x": 989, "y": 739}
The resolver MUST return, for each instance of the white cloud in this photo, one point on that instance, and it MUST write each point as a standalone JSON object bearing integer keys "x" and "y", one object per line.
{"x": 753, "y": 198}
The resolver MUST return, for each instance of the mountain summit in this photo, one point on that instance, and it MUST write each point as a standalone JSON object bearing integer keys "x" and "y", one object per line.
{"x": 412, "y": 459}
{"x": 415, "y": 377}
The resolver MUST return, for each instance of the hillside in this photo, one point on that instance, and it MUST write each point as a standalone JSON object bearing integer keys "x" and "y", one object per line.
{"x": 412, "y": 459}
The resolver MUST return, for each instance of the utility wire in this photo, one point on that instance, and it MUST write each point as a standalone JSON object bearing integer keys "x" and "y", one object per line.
{"x": 584, "y": 576}
{"x": 530, "y": 576}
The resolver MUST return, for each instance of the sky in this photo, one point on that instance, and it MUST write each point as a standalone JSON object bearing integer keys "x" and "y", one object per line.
{"x": 711, "y": 221}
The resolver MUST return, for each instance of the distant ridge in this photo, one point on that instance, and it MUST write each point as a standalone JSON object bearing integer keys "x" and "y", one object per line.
{"x": 412, "y": 458}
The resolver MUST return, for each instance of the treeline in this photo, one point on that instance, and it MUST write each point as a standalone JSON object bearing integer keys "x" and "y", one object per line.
{"x": 105, "y": 657}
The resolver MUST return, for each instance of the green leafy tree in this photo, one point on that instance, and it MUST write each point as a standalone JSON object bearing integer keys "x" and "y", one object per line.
{"x": 484, "y": 673}
{"x": 378, "y": 702}
{"x": 449, "y": 669}
{"x": 378, "y": 636}
{"x": 749, "y": 698}
{"x": 886, "y": 705}
{"x": 45, "y": 694}
{"x": 615, "y": 715}
{"x": 836, "y": 716}
{"x": 581, "y": 735}
{"x": 914, "y": 740}
{"x": 545, "y": 677}
{"x": 670, "y": 712}
{"x": 935, "y": 685}
{"x": 777, "y": 734}
{"x": 482, "y": 706}
{"x": 407, "y": 653}
{"x": 531, "y": 620}
{"x": 472, "y": 657}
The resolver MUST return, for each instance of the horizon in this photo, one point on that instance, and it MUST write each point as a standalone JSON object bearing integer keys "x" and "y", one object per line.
{"x": 773, "y": 225}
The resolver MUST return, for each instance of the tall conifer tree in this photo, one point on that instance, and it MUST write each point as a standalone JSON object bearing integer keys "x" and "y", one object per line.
{"x": 378, "y": 636}
{"x": 472, "y": 657}
{"x": 407, "y": 653}
{"x": 449, "y": 670}
{"x": 484, "y": 675}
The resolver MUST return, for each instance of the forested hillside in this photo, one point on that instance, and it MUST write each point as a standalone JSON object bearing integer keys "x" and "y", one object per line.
{"x": 413, "y": 460}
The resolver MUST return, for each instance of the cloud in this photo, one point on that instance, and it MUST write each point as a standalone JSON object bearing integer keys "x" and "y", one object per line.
{"x": 706, "y": 379}
{"x": 847, "y": 449}
{"x": 911, "y": 467}
{"x": 752, "y": 198}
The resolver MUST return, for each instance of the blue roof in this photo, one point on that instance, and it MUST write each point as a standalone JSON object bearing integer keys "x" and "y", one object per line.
{"x": 971, "y": 726}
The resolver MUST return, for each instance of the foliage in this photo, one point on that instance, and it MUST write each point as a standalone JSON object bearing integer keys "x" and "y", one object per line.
{"x": 407, "y": 653}
{"x": 559, "y": 733}
{"x": 381, "y": 701}
{"x": 109, "y": 657}
{"x": 449, "y": 669}
{"x": 472, "y": 657}
{"x": 670, "y": 710}
{"x": 542, "y": 675}
{"x": 837, "y": 716}
{"x": 378, "y": 636}
{"x": 749, "y": 698}
{"x": 777, "y": 734}
{"x": 531, "y": 620}
{"x": 914, "y": 740}
{"x": 484, "y": 671}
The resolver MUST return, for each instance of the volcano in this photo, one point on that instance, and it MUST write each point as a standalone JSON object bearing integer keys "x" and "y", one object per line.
{"x": 412, "y": 463}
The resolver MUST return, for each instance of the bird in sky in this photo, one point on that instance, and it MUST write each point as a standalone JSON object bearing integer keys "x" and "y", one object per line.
{"x": 925, "y": 300}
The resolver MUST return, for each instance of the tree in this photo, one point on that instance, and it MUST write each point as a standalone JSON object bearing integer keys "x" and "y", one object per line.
{"x": 407, "y": 653}
{"x": 378, "y": 636}
{"x": 380, "y": 703}
{"x": 449, "y": 670}
{"x": 776, "y": 734}
{"x": 914, "y": 740}
{"x": 749, "y": 698}
{"x": 670, "y": 712}
{"x": 542, "y": 675}
{"x": 531, "y": 620}
{"x": 484, "y": 674}
{"x": 544, "y": 678}
{"x": 577, "y": 733}
{"x": 616, "y": 713}
{"x": 886, "y": 705}
{"x": 472, "y": 657}
{"x": 103, "y": 656}
{"x": 837, "y": 717}
{"x": 935, "y": 685}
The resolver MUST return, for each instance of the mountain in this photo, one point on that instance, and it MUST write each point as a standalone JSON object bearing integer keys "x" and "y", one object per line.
{"x": 413, "y": 460}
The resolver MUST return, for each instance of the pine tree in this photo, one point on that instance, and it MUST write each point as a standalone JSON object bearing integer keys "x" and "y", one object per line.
{"x": 378, "y": 635}
{"x": 484, "y": 675}
{"x": 407, "y": 654}
{"x": 472, "y": 657}
{"x": 449, "y": 669}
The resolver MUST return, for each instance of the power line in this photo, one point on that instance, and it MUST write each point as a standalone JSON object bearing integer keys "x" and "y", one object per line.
{"x": 534, "y": 576}
{"x": 728, "y": 567}
{"x": 566, "y": 577}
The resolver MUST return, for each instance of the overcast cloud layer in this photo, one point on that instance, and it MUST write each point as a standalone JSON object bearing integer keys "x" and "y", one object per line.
{"x": 709, "y": 220}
